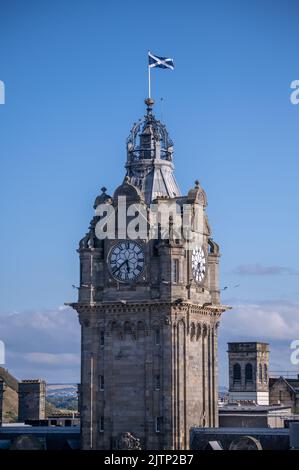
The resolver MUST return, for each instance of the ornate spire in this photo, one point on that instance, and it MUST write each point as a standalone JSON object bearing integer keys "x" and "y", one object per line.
{"x": 149, "y": 157}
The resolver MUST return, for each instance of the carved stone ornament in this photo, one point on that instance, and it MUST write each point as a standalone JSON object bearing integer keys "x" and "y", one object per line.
{"x": 126, "y": 441}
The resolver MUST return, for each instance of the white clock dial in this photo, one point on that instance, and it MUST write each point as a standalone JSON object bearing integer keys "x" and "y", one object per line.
{"x": 198, "y": 264}
{"x": 126, "y": 261}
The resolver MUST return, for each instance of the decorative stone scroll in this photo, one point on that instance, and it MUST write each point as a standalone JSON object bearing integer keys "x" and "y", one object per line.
{"x": 127, "y": 441}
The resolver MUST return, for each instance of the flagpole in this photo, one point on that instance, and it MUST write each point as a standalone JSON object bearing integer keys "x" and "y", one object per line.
{"x": 149, "y": 81}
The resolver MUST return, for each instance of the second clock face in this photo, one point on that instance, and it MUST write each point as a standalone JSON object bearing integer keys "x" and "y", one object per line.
{"x": 126, "y": 261}
{"x": 198, "y": 264}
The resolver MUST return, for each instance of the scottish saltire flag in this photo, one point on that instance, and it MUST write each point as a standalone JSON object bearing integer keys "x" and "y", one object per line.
{"x": 161, "y": 62}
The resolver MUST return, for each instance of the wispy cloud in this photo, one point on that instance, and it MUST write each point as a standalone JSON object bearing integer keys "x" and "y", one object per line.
{"x": 48, "y": 359}
{"x": 42, "y": 344}
{"x": 276, "y": 323}
{"x": 271, "y": 320}
{"x": 46, "y": 344}
{"x": 260, "y": 270}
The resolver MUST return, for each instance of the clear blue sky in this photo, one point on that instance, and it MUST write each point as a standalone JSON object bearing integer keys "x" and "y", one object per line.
{"x": 76, "y": 77}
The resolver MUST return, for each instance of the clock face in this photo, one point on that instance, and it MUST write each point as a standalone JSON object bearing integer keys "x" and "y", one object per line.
{"x": 198, "y": 264}
{"x": 126, "y": 261}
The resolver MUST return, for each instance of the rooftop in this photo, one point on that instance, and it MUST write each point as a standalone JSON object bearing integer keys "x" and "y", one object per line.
{"x": 38, "y": 430}
{"x": 240, "y": 430}
{"x": 250, "y": 408}
{"x": 247, "y": 346}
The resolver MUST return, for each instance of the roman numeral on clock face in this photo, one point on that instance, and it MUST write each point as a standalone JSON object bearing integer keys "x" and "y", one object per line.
{"x": 126, "y": 261}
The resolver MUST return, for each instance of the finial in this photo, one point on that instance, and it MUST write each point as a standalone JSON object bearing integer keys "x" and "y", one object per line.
{"x": 150, "y": 103}
{"x": 103, "y": 189}
{"x": 196, "y": 182}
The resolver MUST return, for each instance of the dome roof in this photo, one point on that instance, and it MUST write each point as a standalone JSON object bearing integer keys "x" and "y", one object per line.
{"x": 127, "y": 189}
{"x": 197, "y": 194}
{"x": 102, "y": 198}
{"x": 149, "y": 158}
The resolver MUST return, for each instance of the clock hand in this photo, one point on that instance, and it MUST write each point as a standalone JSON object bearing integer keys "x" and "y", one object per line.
{"x": 128, "y": 267}
{"x": 117, "y": 269}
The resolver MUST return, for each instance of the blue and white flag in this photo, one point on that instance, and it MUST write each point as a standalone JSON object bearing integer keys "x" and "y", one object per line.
{"x": 161, "y": 62}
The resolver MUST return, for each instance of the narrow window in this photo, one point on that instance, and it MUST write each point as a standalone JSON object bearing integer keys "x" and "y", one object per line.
{"x": 248, "y": 373}
{"x": 81, "y": 276}
{"x": 157, "y": 382}
{"x": 102, "y": 338}
{"x": 175, "y": 271}
{"x": 157, "y": 337}
{"x": 237, "y": 373}
{"x": 101, "y": 383}
{"x": 159, "y": 421}
{"x": 101, "y": 423}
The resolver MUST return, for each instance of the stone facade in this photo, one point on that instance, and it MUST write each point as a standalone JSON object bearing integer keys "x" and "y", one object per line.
{"x": 285, "y": 391}
{"x": 249, "y": 372}
{"x": 149, "y": 345}
{"x": 32, "y": 400}
{"x": 254, "y": 416}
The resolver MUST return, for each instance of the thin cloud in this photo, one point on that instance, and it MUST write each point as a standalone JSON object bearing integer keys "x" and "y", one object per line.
{"x": 42, "y": 344}
{"x": 260, "y": 270}
{"x": 276, "y": 323}
{"x": 46, "y": 344}
{"x": 49, "y": 359}
{"x": 271, "y": 320}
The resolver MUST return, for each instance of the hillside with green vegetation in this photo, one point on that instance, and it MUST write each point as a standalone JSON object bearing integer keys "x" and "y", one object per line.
{"x": 61, "y": 404}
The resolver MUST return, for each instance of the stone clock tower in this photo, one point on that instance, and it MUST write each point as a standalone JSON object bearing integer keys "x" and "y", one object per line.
{"x": 149, "y": 306}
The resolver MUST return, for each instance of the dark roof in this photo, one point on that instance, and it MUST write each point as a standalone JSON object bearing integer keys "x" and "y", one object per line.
{"x": 292, "y": 383}
{"x": 70, "y": 431}
{"x": 251, "y": 408}
{"x": 51, "y": 438}
{"x": 241, "y": 431}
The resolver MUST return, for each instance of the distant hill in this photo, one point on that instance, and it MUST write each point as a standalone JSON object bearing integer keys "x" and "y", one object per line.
{"x": 61, "y": 398}
{"x": 62, "y": 390}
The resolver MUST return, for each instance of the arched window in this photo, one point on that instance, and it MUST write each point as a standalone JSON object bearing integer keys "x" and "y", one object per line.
{"x": 248, "y": 373}
{"x": 192, "y": 331}
{"x": 157, "y": 335}
{"x": 265, "y": 373}
{"x": 237, "y": 373}
{"x": 140, "y": 329}
{"x": 260, "y": 373}
{"x": 127, "y": 329}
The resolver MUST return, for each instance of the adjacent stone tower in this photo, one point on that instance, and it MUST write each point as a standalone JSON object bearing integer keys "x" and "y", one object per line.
{"x": 248, "y": 372}
{"x": 32, "y": 400}
{"x": 149, "y": 307}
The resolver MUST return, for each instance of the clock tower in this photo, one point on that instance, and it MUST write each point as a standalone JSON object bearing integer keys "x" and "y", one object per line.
{"x": 149, "y": 305}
